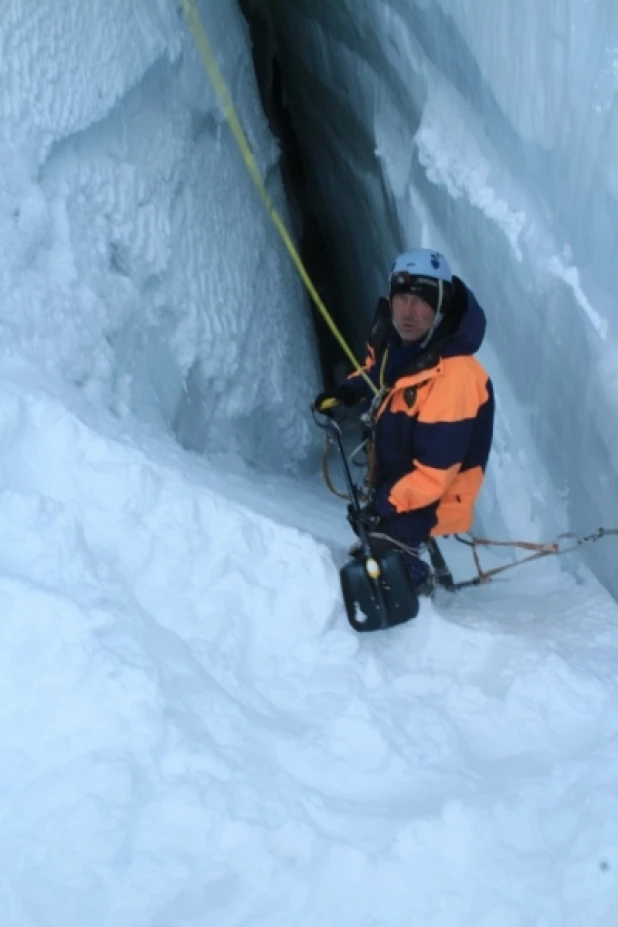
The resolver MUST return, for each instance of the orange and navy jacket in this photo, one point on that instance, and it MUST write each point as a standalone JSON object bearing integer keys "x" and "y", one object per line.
{"x": 434, "y": 428}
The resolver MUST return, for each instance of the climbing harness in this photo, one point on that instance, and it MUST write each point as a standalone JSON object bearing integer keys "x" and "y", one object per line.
{"x": 441, "y": 572}
{"x": 366, "y": 446}
{"x": 328, "y": 445}
{"x": 202, "y": 42}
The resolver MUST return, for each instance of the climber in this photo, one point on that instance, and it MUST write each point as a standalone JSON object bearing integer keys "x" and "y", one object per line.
{"x": 432, "y": 419}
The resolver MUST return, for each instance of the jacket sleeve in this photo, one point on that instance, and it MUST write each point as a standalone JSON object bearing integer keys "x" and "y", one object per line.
{"x": 442, "y": 437}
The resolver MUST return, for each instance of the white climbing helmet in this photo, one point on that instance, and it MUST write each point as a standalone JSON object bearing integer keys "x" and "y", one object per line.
{"x": 425, "y": 273}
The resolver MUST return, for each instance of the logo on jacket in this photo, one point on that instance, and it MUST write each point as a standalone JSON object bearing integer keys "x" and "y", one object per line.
{"x": 409, "y": 396}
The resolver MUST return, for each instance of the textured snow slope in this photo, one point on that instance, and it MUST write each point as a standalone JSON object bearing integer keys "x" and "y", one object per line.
{"x": 136, "y": 260}
{"x": 489, "y": 130}
{"x": 191, "y": 734}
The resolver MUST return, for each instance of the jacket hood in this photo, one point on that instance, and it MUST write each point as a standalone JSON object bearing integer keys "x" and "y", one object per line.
{"x": 460, "y": 332}
{"x": 463, "y": 327}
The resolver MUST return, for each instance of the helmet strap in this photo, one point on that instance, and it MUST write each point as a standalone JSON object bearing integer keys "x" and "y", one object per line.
{"x": 437, "y": 318}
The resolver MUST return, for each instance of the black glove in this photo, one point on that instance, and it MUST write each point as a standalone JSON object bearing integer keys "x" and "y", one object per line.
{"x": 366, "y": 515}
{"x": 329, "y": 399}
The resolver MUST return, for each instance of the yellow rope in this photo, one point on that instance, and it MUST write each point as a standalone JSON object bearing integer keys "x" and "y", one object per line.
{"x": 203, "y": 45}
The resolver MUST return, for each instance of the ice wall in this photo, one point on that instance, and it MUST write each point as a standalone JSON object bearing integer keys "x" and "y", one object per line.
{"x": 137, "y": 262}
{"x": 490, "y": 133}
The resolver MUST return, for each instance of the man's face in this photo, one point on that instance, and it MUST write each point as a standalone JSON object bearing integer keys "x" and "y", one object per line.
{"x": 412, "y": 316}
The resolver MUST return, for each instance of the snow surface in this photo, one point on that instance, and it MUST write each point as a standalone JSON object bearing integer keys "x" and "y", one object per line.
{"x": 190, "y": 732}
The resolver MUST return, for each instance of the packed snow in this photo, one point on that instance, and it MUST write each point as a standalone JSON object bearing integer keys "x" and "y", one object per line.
{"x": 190, "y": 731}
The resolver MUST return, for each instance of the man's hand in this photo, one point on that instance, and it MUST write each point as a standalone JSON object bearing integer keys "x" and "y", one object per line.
{"x": 380, "y": 501}
{"x": 367, "y": 516}
{"x": 327, "y": 401}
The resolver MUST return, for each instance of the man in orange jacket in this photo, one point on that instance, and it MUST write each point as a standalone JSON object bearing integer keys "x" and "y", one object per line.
{"x": 434, "y": 421}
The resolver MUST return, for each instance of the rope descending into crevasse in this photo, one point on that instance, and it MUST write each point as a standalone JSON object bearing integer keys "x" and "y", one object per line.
{"x": 539, "y": 550}
{"x": 204, "y": 47}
